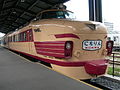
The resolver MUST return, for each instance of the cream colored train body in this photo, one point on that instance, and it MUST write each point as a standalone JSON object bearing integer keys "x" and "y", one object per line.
{"x": 74, "y": 48}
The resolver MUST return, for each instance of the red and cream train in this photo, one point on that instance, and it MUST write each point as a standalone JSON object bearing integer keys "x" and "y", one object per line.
{"x": 75, "y": 48}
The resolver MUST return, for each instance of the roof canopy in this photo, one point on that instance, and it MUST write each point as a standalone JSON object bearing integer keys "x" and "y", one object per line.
{"x": 16, "y": 13}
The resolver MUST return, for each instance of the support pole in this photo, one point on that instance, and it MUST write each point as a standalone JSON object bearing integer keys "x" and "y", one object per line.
{"x": 98, "y": 10}
{"x": 91, "y": 10}
{"x": 113, "y": 64}
{"x": 95, "y": 10}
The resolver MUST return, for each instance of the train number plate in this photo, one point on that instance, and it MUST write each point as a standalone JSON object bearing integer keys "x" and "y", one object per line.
{"x": 92, "y": 44}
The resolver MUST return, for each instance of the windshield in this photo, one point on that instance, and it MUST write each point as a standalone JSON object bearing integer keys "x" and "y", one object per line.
{"x": 57, "y": 14}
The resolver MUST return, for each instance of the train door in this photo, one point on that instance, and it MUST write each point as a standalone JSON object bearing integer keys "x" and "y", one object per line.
{"x": 30, "y": 41}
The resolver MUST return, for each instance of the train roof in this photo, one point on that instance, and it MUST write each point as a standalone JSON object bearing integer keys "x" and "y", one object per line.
{"x": 16, "y": 13}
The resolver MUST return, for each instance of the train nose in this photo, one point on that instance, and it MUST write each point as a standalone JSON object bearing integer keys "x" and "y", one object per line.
{"x": 97, "y": 67}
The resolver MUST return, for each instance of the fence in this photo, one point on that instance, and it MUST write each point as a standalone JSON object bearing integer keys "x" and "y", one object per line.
{"x": 114, "y": 68}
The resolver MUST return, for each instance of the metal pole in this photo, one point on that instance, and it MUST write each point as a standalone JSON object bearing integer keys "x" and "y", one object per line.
{"x": 98, "y": 10}
{"x": 113, "y": 64}
{"x": 91, "y": 10}
{"x": 95, "y": 10}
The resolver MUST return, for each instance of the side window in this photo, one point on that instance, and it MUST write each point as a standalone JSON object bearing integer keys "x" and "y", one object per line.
{"x": 19, "y": 37}
{"x": 114, "y": 38}
{"x": 10, "y": 39}
{"x": 7, "y": 40}
{"x": 27, "y": 35}
{"x": 14, "y": 38}
{"x": 23, "y": 36}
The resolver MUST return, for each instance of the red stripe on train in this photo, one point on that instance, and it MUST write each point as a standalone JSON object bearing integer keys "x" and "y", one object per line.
{"x": 51, "y": 42}
{"x": 53, "y": 48}
{"x": 47, "y": 46}
{"x": 61, "y": 63}
{"x": 66, "y": 36}
{"x": 51, "y": 54}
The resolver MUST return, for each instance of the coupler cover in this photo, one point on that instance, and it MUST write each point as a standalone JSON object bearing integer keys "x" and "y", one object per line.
{"x": 96, "y": 67}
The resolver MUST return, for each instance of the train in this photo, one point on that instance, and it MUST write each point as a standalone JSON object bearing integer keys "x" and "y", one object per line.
{"x": 75, "y": 48}
{"x": 115, "y": 36}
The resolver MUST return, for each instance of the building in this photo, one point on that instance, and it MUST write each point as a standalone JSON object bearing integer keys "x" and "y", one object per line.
{"x": 109, "y": 25}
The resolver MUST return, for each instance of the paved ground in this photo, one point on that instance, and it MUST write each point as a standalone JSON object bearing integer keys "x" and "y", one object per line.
{"x": 19, "y": 74}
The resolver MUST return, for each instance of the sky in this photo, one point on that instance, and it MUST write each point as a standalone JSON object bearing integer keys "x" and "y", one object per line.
{"x": 80, "y": 9}
{"x": 2, "y": 34}
{"x": 110, "y": 10}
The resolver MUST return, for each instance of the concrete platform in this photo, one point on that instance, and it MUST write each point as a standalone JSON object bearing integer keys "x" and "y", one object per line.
{"x": 17, "y": 73}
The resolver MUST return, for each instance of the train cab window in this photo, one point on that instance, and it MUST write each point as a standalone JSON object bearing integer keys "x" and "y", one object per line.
{"x": 58, "y": 14}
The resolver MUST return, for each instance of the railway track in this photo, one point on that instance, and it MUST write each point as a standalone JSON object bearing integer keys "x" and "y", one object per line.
{"x": 105, "y": 83}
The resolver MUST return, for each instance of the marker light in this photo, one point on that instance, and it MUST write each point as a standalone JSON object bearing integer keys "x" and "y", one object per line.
{"x": 109, "y": 47}
{"x": 68, "y": 49}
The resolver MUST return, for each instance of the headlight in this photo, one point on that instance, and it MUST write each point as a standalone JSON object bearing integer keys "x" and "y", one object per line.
{"x": 68, "y": 49}
{"x": 68, "y": 46}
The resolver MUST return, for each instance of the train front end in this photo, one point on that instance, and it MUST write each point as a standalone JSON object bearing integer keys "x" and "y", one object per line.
{"x": 74, "y": 48}
{"x": 87, "y": 49}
